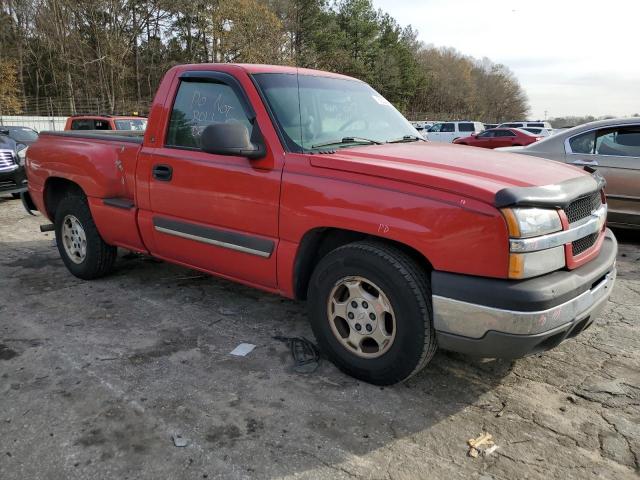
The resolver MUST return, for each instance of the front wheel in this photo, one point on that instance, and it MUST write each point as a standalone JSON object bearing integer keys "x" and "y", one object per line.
{"x": 15, "y": 195}
{"x": 81, "y": 247}
{"x": 370, "y": 310}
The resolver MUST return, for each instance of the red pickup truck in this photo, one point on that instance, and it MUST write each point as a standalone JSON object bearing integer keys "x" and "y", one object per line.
{"x": 313, "y": 186}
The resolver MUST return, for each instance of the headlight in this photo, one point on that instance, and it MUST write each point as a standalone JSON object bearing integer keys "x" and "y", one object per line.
{"x": 531, "y": 222}
{"x": 22, "y": 155}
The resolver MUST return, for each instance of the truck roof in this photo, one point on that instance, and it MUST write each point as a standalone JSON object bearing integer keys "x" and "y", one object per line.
{"x": 116, "y": 117}
{"x": 252, "y": 68}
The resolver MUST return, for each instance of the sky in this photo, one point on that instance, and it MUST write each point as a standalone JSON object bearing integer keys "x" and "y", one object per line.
{"x": 571, "y": 57}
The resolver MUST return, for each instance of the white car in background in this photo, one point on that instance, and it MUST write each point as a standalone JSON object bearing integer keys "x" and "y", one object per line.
{"x": 524, "y": 124}
{"x": 450, "y": 131}
{"x": 538, "y": 131}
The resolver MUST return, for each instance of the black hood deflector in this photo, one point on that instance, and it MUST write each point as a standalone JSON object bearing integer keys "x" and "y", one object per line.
{"x": 558, "y": 195}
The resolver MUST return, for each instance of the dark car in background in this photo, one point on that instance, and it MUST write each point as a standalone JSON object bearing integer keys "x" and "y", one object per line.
{"x": 13, "y": 179}
{"x": 21, "y": 135}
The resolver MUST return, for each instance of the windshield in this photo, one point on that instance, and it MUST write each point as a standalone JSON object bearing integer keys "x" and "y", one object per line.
{"x": 314, "y": 111}
{"x": 23, "y": 134}
{"x": 139, "y": 124}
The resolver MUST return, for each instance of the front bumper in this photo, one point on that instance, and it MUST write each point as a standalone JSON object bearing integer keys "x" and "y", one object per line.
{"x": 510, "y": 319}
{"x": 14, "y": 181}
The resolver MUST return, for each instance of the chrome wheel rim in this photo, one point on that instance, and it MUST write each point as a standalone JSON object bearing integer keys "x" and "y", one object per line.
{"x": 361, "y": 317}
{"x": 74, "y": 239}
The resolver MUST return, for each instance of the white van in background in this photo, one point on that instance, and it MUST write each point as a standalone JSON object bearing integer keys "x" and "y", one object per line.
{"x": 526, "y": 123}
{"x": 449, "y": 131}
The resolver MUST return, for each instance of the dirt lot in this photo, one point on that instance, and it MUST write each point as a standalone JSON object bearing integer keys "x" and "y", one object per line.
{"x": 96, "y": 377}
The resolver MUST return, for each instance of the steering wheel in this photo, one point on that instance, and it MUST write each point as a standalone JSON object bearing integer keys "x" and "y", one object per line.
{"x": 355, "y": 120}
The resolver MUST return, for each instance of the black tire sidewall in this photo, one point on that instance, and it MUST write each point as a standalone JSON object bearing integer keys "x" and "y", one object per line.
{"x": 407, "y": 350}
{"x": 77, "y": 206}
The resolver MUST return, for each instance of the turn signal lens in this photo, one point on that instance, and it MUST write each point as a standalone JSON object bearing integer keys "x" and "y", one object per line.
{"x": 512, "y": 223}
{"x": 532, "y": 264}
{"x": 516, "y": 265}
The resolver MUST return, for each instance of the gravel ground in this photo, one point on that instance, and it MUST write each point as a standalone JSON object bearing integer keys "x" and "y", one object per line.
{"x": 96, "y": 378}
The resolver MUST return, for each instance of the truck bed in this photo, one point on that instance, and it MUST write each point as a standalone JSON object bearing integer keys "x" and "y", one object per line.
{"x": 109, "y": 135}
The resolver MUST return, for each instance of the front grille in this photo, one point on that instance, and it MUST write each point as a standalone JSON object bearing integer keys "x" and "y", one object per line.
{"x": 583, "y": 206}
{"x": 583, "y": 244}
{"x": 6, "y": 160}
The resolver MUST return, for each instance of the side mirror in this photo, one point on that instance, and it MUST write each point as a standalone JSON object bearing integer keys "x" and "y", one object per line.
{"x": 233, "y": 139}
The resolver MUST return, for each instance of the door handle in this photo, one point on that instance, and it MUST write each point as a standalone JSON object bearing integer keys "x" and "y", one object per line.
{"x": 590, "y": 163}
{"x": 162, "y": 173}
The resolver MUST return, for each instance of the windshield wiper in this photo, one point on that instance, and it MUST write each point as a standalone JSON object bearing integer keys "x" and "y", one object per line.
{"x": 406, "y": 138}
{"x": 347, "y": 140}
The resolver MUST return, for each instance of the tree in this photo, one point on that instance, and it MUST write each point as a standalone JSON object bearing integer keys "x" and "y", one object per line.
{"x": 9, "y": 88}
{"x": 108, "y": 56}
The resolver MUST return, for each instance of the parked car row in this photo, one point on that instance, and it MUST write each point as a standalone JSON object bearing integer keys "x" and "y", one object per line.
{"x": 450, "y": 131}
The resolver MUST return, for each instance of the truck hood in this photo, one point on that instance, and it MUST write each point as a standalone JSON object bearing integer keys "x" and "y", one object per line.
{"x": 470, "y": 171}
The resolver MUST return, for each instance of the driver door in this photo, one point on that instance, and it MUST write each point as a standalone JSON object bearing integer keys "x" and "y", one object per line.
{"x": 213, "y": 212}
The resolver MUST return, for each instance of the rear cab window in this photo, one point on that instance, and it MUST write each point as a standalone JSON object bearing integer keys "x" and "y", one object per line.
{"x": 82, "y": 124}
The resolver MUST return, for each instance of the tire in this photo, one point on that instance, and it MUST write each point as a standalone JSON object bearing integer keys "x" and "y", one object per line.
{"x": 403, "y": 285}
{"x": 99, "y": 258}
{"x": 15, "y": 195}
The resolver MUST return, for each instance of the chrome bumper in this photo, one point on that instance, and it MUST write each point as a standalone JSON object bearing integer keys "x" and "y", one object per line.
{"x": 474, "y": 321}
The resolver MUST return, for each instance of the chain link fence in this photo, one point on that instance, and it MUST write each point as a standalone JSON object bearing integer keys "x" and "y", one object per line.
{"x": 47, "y": 113}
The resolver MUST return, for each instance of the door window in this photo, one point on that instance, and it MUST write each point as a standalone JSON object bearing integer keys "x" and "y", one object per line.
{"x": 448, "y": 128}
{"x": 436, "y": 128}
{"x": 198, "y": 105}
{"x": 487, "y": 134}
{"x": 583, "y": 143}
{"x": 504, "y": 133}
{"x": 466, "y": 127}
{"x": 620, "y": 142}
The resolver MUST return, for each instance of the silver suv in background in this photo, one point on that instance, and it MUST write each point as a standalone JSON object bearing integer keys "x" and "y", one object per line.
{"x": 450, "y": 131}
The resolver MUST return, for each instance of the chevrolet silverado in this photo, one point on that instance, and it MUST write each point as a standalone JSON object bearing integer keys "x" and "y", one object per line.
{"x": 312, "y": 185}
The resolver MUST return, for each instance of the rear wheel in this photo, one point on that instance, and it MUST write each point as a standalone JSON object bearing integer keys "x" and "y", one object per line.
{"x": 81, "y": 247}
{"x": 370, "y": 310}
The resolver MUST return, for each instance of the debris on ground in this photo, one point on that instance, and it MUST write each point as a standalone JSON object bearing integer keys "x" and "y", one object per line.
{"x": 306, "y": 356}
{"x": 179, "y": 440}
{"x": 243, "y": 349}
{"x": 482, "y": 445}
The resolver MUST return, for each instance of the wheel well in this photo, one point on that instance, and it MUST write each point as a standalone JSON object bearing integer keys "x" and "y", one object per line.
{"x": 320, "y": 241}
{"x": 55, "y": 189}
